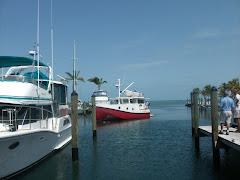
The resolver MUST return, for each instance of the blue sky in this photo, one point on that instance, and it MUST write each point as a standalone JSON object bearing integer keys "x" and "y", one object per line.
{"x": 167, "y": 47}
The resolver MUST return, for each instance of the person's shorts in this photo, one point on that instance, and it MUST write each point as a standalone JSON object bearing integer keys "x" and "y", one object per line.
{"x": 226, "y": 117}
{"x": 236, "y": 114}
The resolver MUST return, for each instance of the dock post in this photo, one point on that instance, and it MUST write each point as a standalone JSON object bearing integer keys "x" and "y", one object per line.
{"x": 214, "y": 118}
{"x": 74, "y": 117}
{"x": 196, "y": 118}
{"x": 84, "y": 108}
{"x": 192, "y": 113}
{"x": 94, "y": 122}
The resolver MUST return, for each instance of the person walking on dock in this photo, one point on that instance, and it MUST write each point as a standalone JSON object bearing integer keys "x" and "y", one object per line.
{"x": 236, "y": 113}
{"x": 226, "y": 106}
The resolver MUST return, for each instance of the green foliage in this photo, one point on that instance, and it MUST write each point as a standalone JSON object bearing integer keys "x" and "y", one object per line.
{"x": 196, "y": 89}
{"x": 71, "y": 78}
{"x": 223, "y": 87}
{"x": 97, "y": 81}
{"x": 206, "y": 91}
{"x": 230, "y": 86}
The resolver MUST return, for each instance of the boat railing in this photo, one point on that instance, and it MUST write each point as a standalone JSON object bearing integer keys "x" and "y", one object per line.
{"x": 21, "y": 78}
{"x": 13, "y": 118}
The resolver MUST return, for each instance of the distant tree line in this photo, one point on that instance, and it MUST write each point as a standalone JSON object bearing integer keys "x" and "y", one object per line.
{"x": 229, "y": 86}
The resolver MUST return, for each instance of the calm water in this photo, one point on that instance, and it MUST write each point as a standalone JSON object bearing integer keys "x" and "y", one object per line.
{"x": 158, "y": 148}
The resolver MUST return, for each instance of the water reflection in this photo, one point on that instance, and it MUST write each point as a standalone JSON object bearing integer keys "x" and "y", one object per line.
{"x": 75, "y": 171}
{"x": 158, "y": 148}
{"x": 105, "y": 123}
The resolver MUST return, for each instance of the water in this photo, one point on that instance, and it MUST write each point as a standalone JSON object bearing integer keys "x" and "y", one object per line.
{"x": 158, "y": 148}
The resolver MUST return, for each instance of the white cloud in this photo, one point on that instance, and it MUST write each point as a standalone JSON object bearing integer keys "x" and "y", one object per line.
{"x": 206, "y": 34}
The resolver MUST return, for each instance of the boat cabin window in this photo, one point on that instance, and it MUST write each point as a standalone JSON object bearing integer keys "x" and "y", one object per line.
{"x": 140, "y": 101}
{"x": 66, "y": 121}
{"x": 60, "y": 93}
{"x": 133, "y": 101}
{"x": 125, "y": 101}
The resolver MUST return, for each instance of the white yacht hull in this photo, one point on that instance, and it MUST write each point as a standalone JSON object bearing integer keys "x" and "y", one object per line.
{"x": 23, "y": 148}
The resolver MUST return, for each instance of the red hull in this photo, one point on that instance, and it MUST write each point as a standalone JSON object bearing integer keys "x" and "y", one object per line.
{"x": 110, "y": 114}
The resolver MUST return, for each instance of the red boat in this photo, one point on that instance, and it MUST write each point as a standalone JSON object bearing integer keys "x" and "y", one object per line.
{"x": 133, "y": 106}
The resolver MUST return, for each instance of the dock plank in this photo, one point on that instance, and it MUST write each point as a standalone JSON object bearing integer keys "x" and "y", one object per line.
{"x": 232, "y": 140}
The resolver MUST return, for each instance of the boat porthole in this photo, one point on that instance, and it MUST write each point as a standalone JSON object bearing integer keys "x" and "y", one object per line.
{"x": 132, "y": 108}
{"x": 127, "y": 108}
{"x": 119, "y": 107}
{"x": 13, "y": 145}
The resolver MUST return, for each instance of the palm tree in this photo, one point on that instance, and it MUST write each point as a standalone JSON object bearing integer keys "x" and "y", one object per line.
{"x": 97, "y": 81}
{"x": 71, "y": 78}
{"x": 206, "y": 92}
{"x": 233, "y": 84}
{"x": 223, "y": 87}
{"x": 196, "y": 90}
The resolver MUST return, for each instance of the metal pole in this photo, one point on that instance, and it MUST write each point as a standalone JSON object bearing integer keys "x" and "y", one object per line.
{"x": 30, "y": 112}
{"x": 74, "y": 70}
{"x": 38, "y": 47}
{"x": 74, "y": 116}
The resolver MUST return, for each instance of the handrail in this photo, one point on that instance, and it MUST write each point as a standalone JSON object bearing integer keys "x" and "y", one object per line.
{"x": 12, "y": 122}
{"x": 23, "y": 79}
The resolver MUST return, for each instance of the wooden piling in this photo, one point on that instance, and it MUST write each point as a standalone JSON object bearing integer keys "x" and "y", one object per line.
{"x": 192, "y": 113}
{"x": 74, "y": 117}
{"x": 196, "y": 118}
{"x": 84, "y": 108}
{"x": 94, "y": 122}
{"x": 214, "y": 119}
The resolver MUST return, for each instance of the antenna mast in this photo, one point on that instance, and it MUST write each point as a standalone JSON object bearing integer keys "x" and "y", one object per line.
{"x": 74, "y": 71}
{"x": 38, "y": 46}
{"x": 52, "y": 50}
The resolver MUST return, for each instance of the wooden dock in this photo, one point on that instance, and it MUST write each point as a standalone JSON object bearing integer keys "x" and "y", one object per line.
{"x": 218, "y": 140}
{"x": 232, "y": 140}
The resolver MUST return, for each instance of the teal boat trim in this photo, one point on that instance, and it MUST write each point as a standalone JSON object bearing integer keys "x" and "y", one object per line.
{"x": 25, "y": 98}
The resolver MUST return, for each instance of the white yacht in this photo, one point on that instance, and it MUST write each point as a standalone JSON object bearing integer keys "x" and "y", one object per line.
{"x": 34, "y": 118}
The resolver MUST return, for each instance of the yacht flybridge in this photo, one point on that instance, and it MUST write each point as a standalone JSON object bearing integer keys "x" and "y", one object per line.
{"x": 22, "y": 84}
{"x": 133, "y": 106}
